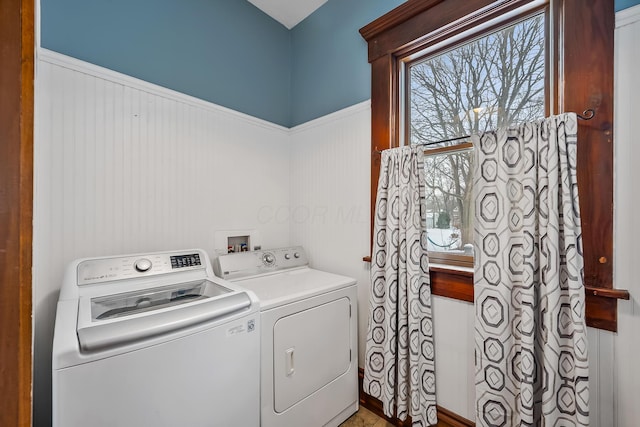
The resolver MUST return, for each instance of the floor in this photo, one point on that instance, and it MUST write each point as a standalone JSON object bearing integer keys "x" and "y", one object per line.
{"x": 365, "y": 418}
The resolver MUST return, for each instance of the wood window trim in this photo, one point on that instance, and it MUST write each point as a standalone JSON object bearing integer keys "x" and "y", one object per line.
{"x": 583, "y": 65}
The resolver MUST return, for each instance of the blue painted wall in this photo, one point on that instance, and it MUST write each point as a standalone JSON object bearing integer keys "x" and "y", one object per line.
{"x": 224, "y": 51}
{"x": 624, "y": 4}
{"x": 329, "y": 57}
{"x": 228, "y": 51}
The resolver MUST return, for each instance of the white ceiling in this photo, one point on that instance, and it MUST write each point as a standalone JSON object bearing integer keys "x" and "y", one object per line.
{"x": 288, "y": 12}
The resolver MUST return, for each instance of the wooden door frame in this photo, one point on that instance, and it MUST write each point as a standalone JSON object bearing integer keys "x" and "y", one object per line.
{"x": 17, "y": 53}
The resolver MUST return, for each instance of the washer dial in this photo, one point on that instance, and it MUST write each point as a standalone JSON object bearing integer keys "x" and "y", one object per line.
{"x": 142, "y": 265}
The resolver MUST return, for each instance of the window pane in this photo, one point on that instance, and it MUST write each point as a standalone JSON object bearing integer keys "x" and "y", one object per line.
{"x": 486, "y": 84}
{"x": 449, "y": 205}
{"x": 491, "y": 82}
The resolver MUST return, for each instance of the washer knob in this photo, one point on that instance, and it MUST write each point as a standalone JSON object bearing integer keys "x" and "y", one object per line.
{"x": 287, "y": 256}
{"x": 268, "y": 258}
{"x": 142, "y": 265}
{"x": 296, "y": 255}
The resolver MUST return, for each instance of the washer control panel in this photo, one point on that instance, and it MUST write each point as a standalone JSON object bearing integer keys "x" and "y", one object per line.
{"x": 182, "y": 261}
{"x": 127, "y": 267}
{"x": 245, "y": 264}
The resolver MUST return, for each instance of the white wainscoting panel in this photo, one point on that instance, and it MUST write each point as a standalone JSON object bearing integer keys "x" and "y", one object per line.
{"x": 330, "y": 212}
{"x": 453, "y": 328}
{"x": 626, "y": 224}
{"x": 601, "y": 378}
{"x": 123, "y": 166}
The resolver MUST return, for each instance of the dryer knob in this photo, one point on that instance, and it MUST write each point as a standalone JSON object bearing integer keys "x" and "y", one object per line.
{"x": 268, "y": 259}
{"x": 287, "y": 256}
{"x": 296, "y": 255}
{"x": 142, "y": 265}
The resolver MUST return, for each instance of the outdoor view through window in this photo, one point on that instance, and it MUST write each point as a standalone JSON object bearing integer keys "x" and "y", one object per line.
{"x": 491, "y": 82}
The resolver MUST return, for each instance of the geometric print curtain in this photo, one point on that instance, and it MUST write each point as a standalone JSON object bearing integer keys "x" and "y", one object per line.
{"x": 399, "y": 357}
{"x": 530, "y": 339}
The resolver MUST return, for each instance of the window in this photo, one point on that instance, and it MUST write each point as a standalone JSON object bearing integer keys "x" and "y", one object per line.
{"x": 578, "y": 74}
{"x": 492, "y": 81}
{"x": 449, "y": 204}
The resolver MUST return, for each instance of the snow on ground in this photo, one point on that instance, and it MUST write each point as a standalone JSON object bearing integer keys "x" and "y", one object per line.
{"x": 444, "y": 239}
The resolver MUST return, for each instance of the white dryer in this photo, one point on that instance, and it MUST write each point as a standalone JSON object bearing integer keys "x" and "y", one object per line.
{"x": 154, "y": 340}
{"x": 309, "y": 370}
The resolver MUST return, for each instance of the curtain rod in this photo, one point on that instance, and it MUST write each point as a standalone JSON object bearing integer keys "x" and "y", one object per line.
{"x": 587, "y": 114}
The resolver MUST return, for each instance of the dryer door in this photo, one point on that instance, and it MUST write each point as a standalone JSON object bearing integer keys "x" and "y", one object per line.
{"x": 311, "y": 349}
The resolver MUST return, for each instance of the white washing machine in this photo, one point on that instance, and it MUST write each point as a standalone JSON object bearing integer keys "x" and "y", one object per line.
{"x": 154, "y": 340}
{"x": 309, "y": 336}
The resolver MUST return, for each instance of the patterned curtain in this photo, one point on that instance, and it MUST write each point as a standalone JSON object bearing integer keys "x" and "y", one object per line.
{"x": 399, "y": 367}
{"x": 531, "y": 341}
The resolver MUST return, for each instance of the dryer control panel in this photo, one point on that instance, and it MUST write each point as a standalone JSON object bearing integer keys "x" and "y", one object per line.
{"x": 246, "y": 264}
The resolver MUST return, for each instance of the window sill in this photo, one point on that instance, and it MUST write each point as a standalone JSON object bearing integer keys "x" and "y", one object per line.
{"x": 452, "y": 282}
{"x": 449, "y": 281}
{"x": 457, "y": 283}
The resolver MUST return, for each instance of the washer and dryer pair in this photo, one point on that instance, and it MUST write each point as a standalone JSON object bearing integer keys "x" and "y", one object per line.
{"x": 157, "y": 339}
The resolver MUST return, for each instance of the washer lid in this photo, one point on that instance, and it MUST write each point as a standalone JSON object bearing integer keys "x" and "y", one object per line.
{"x": 117, "y": 319}
{"x": 129, "y": 303}
{"x": 276, "y": 289}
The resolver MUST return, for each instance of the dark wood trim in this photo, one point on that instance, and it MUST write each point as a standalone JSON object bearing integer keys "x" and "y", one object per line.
{"x": 17, "y": 48}
{"x": 448, "y": 282}
{"x": 396, "y": 17}
{"x": 602, "y": 312}
{"x": 588, "y": 83}
{"x": 607, "y": 293}
{"x": 446, "y": 418}
{"x": 451, "y": 283}
{"x": 454, "y": 260}
{"x": 423, "y": 22}
{"x": 384, "y": 128}
{"x": 584, "y": 65}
